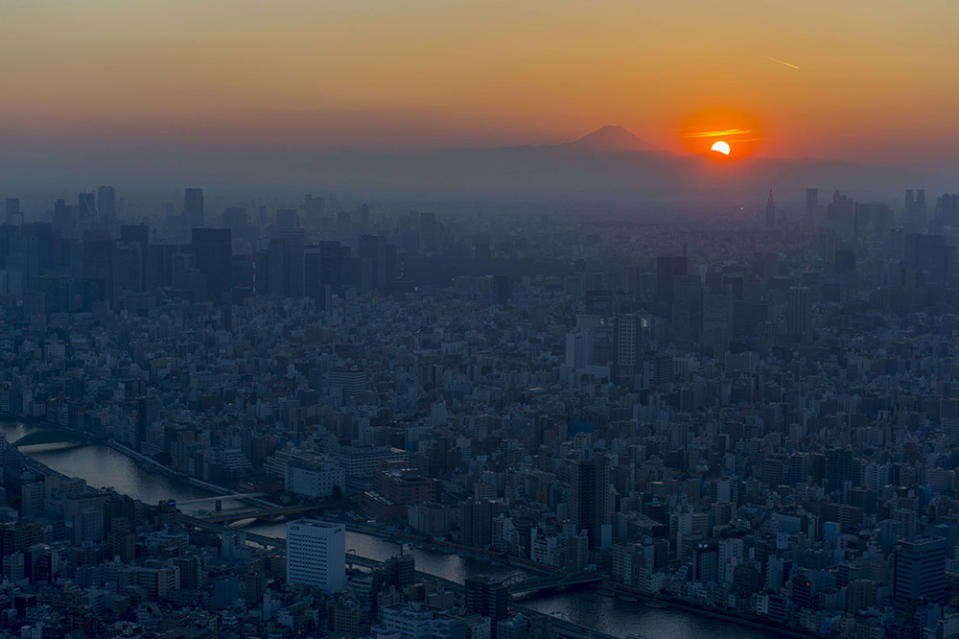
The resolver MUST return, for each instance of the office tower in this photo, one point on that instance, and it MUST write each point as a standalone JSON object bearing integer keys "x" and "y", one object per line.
{"x": 193, "y": 206}
{"x": 106, "y": 202}
{"x": 686, "y": 310}
{"x": 669, "y": 267}
{"x": 910, "y": 203}
{"x": 947, "y": 209}
{"x": 132, "y": 254}
{"x": 717, "y": 326}
{"x": 377, "y": 264}
{"x": 138, "y": 233}
{"x": 919, "y": 572}
{"x": 399, "y": 571}
{"x": 589, "y": 485}
{"x": 706, "y": 563}
{"x": 130, "y": 266}
{"x": 929, "y": 254}
{"x": 316, "y": 554}
{"x": 285, "y": 267}
{"x": 86, "y": 206}
{"x": 64, "y": 219}
{"x": 579, "y": 348}
{"x": 795, "y": 469}
{"x": 627, "y": 345}
{"x": 477, "y": 528}
{"x": 770, "y": 210}
{"x": 797, "y": 311}
{"x": 731, "y": 552}
{"x": 326, "y": 267}
{"x": 214, "y": 258}
{"x": 487, "y": 597}
{"x": 13, "y": 210}
{"x": 100, "y": 268}
{"x": 812, "y": 203}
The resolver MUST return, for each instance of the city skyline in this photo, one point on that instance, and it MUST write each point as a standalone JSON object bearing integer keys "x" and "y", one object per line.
{"x": 450, "y": 319}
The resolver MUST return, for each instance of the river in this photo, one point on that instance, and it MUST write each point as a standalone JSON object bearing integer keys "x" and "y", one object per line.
{"x": 103, "y": 467}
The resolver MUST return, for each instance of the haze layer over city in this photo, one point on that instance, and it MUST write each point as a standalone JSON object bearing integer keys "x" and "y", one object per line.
{"x": 474, "y": 320}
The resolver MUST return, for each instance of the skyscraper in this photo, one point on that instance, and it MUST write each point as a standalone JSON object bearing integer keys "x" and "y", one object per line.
{"x": 706, "y": 562}
{"x": 193, "y": 206}
{"x": 86, "y": 206}
{"x": 13, "y": 210}
{"x": 316, "y": 554}
{"x": 487, "y": 597}
{"x": 627, "y": 345}
{"x": 326, "y": 267}
{"x": 915, "y": 207}
{"x": 686, "y": 310}
{"x": 797, "y": 311}
{"x": 919, "y": 572}
{"x": 214, "y": 258}
{"x": 99, "y": 266}
{"x": 669, "y": 267}
{"x": 812, "y": 203}
{"x": 106, "y": 202}
{"x": 589, "y": 483}
{"x": 377, "y": 264}
{"x": 477, "y": 522}
{"x": 285, "y": 265}
{"x": 770, "y": 210}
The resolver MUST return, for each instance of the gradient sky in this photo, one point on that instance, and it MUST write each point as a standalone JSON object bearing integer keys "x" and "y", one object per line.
{"x": 876, "y": 79}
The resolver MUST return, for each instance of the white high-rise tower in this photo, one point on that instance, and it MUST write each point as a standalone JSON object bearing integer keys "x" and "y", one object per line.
{"x": 316, "y": 554}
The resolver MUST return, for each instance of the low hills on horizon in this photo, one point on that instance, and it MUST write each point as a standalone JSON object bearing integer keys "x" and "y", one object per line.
{"x": 609, "y": 163}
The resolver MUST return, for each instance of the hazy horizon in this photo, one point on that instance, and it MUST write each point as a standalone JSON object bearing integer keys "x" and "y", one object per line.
{"x": 813, "y": 80}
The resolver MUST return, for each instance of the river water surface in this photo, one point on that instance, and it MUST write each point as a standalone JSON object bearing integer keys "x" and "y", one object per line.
{"x": 104, "y": 467}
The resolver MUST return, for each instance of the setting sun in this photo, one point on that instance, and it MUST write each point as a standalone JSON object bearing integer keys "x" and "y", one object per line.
{"x": 721, "y": 147}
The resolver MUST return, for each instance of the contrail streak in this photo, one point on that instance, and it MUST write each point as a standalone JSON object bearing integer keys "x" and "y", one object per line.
{"x": 783, "y": 62}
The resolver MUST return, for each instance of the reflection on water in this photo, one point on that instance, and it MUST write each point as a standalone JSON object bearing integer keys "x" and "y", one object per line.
{"x": 104, "y": 467}
{"x": 452, "y": 567}
{"x": 621, "y": 618}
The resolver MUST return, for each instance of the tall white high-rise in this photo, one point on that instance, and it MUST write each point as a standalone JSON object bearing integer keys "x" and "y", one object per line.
{"x": 316, "y": 554}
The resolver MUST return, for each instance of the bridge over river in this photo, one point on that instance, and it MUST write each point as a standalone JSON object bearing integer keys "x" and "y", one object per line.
{"x": 56, "y": 434}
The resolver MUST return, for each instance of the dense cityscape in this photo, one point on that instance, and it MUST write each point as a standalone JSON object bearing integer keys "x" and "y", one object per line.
{"x": 749, "y": 417}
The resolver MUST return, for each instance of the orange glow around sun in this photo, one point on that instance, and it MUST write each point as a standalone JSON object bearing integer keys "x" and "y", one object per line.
{"x": 721, "y": 134}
